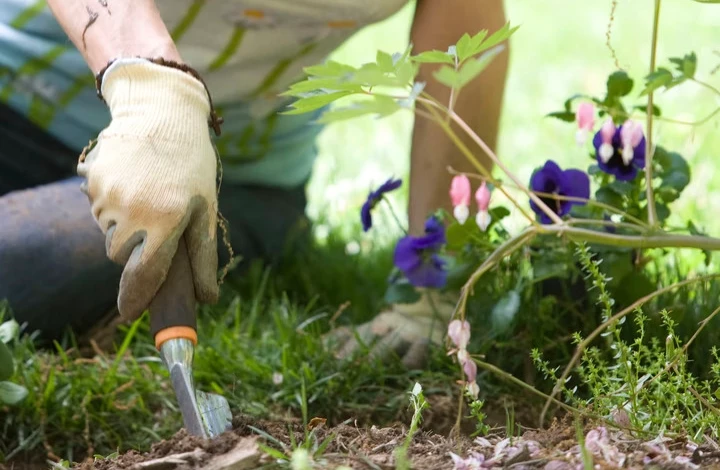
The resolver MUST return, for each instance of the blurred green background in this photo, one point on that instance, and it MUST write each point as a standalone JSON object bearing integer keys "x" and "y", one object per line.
{"x": 559, "y": 50}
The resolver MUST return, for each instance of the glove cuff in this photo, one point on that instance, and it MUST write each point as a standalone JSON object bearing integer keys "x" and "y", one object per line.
{"x": 160, "y": 92}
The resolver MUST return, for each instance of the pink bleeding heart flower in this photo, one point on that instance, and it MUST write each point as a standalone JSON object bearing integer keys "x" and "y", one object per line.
{"x": 460, "y": 192}
{"x": 585, "y": 118}
{"x": 470, "y": 369}
{"x": 607, "y": 132}
{"x": 482, "y": 196}
{"x": 631, "y": 134}
{"x": 459, "y": 333}
{"x": 473, "y": 389}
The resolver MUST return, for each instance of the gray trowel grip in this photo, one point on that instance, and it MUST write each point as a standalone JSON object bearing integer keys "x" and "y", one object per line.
{"x": 174, "y": 304}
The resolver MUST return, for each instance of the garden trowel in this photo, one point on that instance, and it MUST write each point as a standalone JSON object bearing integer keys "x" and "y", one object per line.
{"x": 174, "y": 327}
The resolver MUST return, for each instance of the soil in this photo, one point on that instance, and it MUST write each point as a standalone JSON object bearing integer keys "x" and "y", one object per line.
{"x": 373, "y": 448}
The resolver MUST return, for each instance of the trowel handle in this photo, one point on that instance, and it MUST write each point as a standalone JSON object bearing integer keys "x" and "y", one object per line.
{"x": 172, "y": 311}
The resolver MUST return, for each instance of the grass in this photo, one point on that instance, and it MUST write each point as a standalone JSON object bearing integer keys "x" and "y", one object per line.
{"x": 264, "y": 342}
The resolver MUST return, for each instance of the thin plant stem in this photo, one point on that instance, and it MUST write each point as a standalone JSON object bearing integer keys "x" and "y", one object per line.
{"x": 394, "y": 215}
{"x": 488, "y": 151}
{"x": 510, "y": 378}
{"x": 649, "y": 149}
{"x": 605, "y": 223}
{"x": 455, "y": 431}
{"x": 706, "y": 85}
{"x": 657, "y": 240}
{"x": 469, "y": 155}
{"x": 453, "y": 97}
{"x": 627, "y": 115}
{"x": 586, "y": 342}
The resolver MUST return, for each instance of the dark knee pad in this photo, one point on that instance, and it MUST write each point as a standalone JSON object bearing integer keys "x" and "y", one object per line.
{"x": 262, "y": 222}
{"x": 54, "y": 272}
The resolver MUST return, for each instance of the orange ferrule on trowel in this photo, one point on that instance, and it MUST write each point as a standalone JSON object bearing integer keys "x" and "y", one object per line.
{"x": 175, "y": 332}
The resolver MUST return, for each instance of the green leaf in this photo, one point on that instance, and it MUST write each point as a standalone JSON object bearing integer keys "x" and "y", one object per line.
{"x": 567, "y": 116}
{"x": 686, "y": 65}
{"x": 707, "y": 1}
{"x": 458, "y": 235}
{"x": 505, "y": 310}
{"x": 545, "y": 268}
{"x": 496, "y": 38}
{"x": 329, "y": 69}
{"x": 658, "y": 79}
{"x": 655, "y": 109}
{"x": 311, "y": 103}
{"x": 447, "y": 76}
{"x": 401, "y": 292}
{"x": 11, "y": 393}
{"x": 434, "y": 57}
{"x": 7, "y": 365}
{"x": 8, "y": 331}
{"x": 468, "y": 46}
{"x": 619, "y": 84}
{"x": 325, "y": 85}
{"x": 667, "y": 194}
{"x": 594, "y": 170}
{"x": 498, "y": 213}
{"x": 675, "y": 171}
{"x": 406, "y": 72}
{"x": 623, "y": 188}
{"x": 662, "y": 211}
{"x": 464, "y": 48}
{"x": 380, "y": 105}
{"x": 384, "y": 61}
{"x": 471, "y": 69}
{"x": 609, "y": 196}
{"x": 616, "y": 266}
{"x": 632, "y": 287}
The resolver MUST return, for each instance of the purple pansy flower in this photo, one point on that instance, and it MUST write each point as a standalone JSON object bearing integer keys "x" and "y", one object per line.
{"x": 418, "y": 259}
{"x": 620, "y": 151}
{"x": 373, "y": 198}
{"x": 552, "y": 179}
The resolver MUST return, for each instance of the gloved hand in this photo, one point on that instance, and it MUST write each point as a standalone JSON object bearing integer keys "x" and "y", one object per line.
{"x": 151, "y": 178}
{"x": 404, "y": 329}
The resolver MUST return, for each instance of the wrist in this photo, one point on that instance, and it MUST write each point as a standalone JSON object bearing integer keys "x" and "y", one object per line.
{"x": 100, "y": 57}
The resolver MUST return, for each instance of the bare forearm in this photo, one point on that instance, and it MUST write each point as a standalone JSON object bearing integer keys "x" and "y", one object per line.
{"x": 479, "y": 103}
{"x": 103, "y": 30}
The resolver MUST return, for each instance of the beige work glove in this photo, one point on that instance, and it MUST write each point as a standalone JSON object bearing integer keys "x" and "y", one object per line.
{"x": 403, "y": 329}
{"x": 151, "y": 178}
